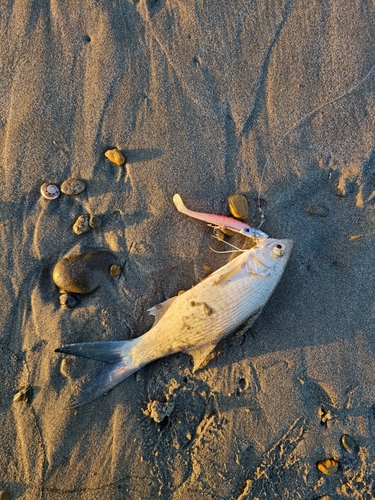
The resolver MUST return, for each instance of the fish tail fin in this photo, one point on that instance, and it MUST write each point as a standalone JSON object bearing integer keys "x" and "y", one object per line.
{"x": 120, "y": 366}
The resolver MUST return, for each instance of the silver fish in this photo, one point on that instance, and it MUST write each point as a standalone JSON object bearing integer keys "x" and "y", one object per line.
{"x": 194, "y": 321}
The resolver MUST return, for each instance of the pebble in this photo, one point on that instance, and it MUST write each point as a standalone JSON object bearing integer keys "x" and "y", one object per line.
{"x": 317, "y": 210}
{"x": 65, "y": 367}
{"x": 72, "y": 187}
{"x": 349, "y": 444}
{"x": 4, "y": 495}
{"x": 68, "y": 301}
{"x": 328, "y": 466}
{"x": 115, "y": 156}
{"x": 81, "y": 224}
{"x": 239, "y": 206}
{"x": 114, "y": 270}
{"x": 49, "y": 191}
{"x": 95, "y": 222}
{"x": 24, "y": 394}
{"x": 84, "y": 272}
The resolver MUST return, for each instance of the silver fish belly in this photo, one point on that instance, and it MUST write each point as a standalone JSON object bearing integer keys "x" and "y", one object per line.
{"x": 195, "y": 321}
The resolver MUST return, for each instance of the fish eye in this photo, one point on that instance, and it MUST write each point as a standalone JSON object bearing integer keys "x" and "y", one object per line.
{"x": 278, "y": 249}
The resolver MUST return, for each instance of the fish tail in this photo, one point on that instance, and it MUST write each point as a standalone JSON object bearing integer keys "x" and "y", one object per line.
{"x": 120, "y": 365}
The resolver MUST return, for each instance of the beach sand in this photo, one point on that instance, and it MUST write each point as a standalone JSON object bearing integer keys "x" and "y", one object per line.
{"x": 205, "y": 99}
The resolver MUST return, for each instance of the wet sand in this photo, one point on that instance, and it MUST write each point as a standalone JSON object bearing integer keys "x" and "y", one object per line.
{"x": 205, "y": 99}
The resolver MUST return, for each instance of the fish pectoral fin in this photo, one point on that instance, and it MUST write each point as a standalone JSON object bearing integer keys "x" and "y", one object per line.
{"x": 201, "y": 354}
{"x": 230, "y": 269}
{"x": 256, "y": 267}
{"x": 159, "y": 310}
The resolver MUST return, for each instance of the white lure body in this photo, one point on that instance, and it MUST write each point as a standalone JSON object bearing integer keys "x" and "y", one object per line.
{"x": 194, "y": 321}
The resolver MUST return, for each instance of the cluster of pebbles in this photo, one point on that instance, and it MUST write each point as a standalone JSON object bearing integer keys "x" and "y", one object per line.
{"x": 83, "y": 273}
{"x": 329, "y": 466}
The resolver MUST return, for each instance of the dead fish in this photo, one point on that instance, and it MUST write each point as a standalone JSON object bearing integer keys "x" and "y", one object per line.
{"x": 221, "y": 221}
{"x": 194, "y": 321}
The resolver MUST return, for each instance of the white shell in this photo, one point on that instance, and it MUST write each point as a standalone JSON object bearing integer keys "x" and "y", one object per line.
{"x": 49, "y": 191}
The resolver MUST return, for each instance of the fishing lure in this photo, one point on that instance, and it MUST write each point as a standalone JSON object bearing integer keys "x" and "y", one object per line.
{"x": 220, "y": 221}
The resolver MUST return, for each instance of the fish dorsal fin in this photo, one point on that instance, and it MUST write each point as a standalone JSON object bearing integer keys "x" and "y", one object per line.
{"x": 159, "y": 310}
{"x": 200, "y": 354}
{"x": 256, "y": 267}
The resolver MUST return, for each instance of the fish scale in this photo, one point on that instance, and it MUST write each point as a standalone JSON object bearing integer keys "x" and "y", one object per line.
{"x": 194, "y": 321}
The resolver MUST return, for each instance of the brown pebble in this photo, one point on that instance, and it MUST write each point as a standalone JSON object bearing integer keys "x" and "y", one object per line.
{"x": 328, "y": 466}
{"x": 82, "y": 273}
{"x": 24, "y": 394}
{"x": 115, "y": 156}
{"x": 49, "y": 191}
{"x": 317, "y": 210}
{"x": 114, "y": 270}
{"x": 95, "y": 222}
{"x": 81, "y": 224}
{"x": 349, "y": 444}
{"x": 72, "y": 187}
{"x": 239, "y": 206}
{"x": 4, "y": 495}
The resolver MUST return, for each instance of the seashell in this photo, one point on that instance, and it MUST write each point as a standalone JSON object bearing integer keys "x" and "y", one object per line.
{"x": 115, "y": 156}
{"x": 72, "y": 187}
{"x": 24, "y": 394}
{"x": 82, "y": 273}
{"x": 239, "y": 206}
{"x": 328, "y": 466}
{"x": 114, "y": 270}
{"x": 349, "y": 444}
{"x": 49, "y": 191}
{"x": 81, "y": 224}
{"x": 95, "y": 221}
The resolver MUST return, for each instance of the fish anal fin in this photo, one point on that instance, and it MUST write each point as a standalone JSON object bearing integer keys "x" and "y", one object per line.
{"x": 201, "y": 355}
{"x": 159, "y": 310}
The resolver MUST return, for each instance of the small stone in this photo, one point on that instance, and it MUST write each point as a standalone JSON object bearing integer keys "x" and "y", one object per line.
{"x": 24, "y": 394}
{"x": 239, "y": 206}
{"x": 95, "y": 221}
{"x": 65, "y": 367}
{"x": 81, "y": 224}
{"x": 49, "y": 191}
{"x": 68, "y": 301}
{"x": 317, "y": 210}
{"x": 349, "y": 444}
{"x": 4, "y": 495}
{"x": 72, "y": 187}
{"x": 328, "y": 466}
{"x": 115, "y": 156}
{"x": 114, "y": 270}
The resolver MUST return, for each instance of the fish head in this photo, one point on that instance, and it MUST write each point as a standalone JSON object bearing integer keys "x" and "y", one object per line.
{"x": 269, "y": 257}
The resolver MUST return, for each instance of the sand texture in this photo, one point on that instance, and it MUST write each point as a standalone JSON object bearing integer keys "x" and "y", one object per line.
{"x": 202, "y": 98}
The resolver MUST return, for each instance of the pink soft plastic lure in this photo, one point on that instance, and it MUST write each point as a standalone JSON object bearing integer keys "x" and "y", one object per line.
{"x": 220, "y": 221}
